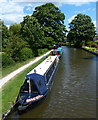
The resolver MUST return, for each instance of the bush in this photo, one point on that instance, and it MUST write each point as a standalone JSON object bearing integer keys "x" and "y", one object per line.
{"x": 25, "y": 53}
{"x": 96, "y": 41}
{"x": 6, "y": 60}
{"x": 42, "y": 51}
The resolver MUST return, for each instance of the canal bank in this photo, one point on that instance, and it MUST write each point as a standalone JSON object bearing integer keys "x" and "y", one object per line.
{"x": 73, "y": 94}
{"x": 90, "y": 51}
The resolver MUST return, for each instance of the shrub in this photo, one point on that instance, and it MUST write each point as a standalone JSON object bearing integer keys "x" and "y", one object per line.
{"x": 25, "y": 53}
{"x": 89, "y": 43}
{"x": 6, "y": 60}
{"x": 96, "y": 41}
{"x": 42, "y": 51}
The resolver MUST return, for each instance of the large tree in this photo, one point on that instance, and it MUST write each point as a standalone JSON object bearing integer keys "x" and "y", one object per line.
{"x": 52, "y": 22}
{"x": 32, "y": 33}
{"x": 81, "y": 30}
{"x": 15, "y": 42}
{"x": 4, "y": 33}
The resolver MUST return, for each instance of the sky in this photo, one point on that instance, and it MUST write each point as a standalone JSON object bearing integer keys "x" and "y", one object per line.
{"x": 13, "y": 11}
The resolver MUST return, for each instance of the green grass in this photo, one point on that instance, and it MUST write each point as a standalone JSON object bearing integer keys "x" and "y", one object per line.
{"x": 11, "y": 89}
{"x": 91, "y": 49}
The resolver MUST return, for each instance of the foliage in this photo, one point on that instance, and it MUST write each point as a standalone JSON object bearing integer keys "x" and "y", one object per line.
{"x": 32, "y": 33}
{"x": 5, "y": 34}
{"x": 52, "y": 22}
{"x": 25, "y": 53}
{"x": 81, "y": 31}
{"x": 96, "y": 42}
{"x": 15, "y": 29}
{"x": 6, "y": 60}
{"x": 42, "y": 51}
{"x": 15, "y": 44}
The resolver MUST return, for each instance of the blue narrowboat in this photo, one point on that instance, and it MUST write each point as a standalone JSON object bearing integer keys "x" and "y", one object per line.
{"x": 37, "y": 83}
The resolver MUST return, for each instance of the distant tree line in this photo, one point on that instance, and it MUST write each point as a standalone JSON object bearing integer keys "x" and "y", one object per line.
{"x": 44, "y": 28}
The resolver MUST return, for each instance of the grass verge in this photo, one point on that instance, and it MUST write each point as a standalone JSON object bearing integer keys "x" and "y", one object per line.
{"x": 11, "y": 68}
{"x": 92, "y": 49}
{"x": 11, "y": 89}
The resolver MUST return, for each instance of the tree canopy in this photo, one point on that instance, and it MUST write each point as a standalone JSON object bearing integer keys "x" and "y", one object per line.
{"x": 81, "y": 30}
{"x": 4, "y": 33}
{"x": 52, "y": 22}
{"x": 32, "y": 32}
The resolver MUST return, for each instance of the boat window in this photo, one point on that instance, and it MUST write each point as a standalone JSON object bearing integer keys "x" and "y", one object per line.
{"x": 25, "y": 87}
{"x": 58, "y": 52}
{"x": 53, "y": 53}
{"x": 49, "y": 73}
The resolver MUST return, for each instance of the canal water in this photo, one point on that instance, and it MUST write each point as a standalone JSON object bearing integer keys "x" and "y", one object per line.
{"x": 73, "y": 94}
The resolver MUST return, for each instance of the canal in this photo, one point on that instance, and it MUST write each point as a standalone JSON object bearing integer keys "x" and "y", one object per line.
{"x": 73, "y": 94}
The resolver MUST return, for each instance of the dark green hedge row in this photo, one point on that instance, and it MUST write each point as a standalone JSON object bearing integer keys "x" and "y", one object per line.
{"x": 25, "y": 54}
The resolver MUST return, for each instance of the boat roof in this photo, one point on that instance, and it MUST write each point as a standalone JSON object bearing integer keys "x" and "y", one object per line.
{"x": 43, "y": 67}
{"x": 39, "y": 81}
{"x": 54, "y": 51}
{"x": 60, "y": 48}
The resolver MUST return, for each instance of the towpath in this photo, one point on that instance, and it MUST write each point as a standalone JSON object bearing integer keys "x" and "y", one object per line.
{"x": 14, "y": 73}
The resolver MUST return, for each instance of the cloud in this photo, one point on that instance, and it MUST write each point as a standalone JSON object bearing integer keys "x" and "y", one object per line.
{"x": 70, "y": 19}
{"x": 11, "y": 12}
{"x": 73, "y": 2}
{"x": 86, "y": 10}
{"x": 94, "y": 22}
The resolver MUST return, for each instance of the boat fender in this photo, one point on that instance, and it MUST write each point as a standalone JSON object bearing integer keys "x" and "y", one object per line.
{"x": 57, "y": 60}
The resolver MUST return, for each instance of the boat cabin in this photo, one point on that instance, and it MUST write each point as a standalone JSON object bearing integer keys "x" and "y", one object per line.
{"x": 55, "y": 52}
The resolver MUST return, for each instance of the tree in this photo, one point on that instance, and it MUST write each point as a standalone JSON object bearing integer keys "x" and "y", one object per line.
{"x": 81, "y": 30}
{"x": 14, "y": 46}
{"x": 15, "y": 29}
{"x": 52, "y": 21}
{"x": 15, "y": 42}
{"x": 4, "y": 33}
{"x": 32, "y": 33}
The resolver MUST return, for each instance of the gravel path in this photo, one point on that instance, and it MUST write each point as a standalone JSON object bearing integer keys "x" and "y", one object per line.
{"x": 13, "y": 74}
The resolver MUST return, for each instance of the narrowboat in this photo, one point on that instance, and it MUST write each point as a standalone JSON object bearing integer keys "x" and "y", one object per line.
{"x": 58, "y": 52}
{"x": 37, "y": 83}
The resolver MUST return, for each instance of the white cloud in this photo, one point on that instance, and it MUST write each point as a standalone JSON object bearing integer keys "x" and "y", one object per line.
{"x": 70, "y": 19}
{"x": 94, "y": 23}
{"x": 11, "y": 12}
{"x": 74, "y": 2}
{"x": 86, "y": 10}
{"x": 3, "y": 0}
